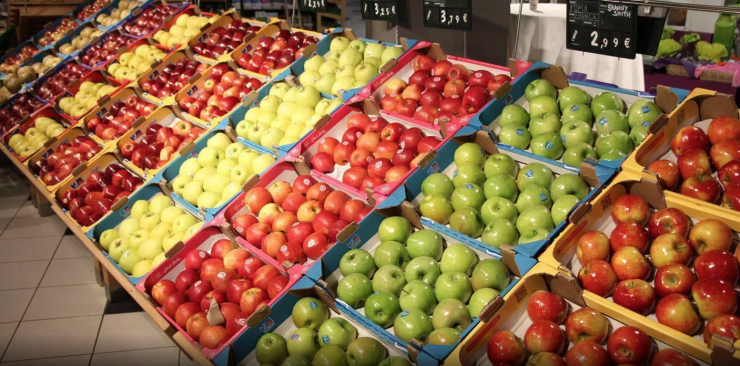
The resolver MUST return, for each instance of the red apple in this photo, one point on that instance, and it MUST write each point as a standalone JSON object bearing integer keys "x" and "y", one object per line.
{"x": 674, "y": 279}
{"x": 630, "y": 207}
{"x": 690, "y": 137}
{"x": 629, "y": 234}
{"x": 598, "y": 277}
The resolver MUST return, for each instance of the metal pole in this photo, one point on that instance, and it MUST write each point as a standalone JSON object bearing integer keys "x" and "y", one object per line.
{"x": 518, "y": 24}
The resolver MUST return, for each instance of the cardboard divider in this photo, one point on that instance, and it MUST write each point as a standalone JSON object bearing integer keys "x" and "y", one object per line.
{"x": 595, "y": 176}
{"x": 48, "y": 112}
{"x": 488, "y": 118}
{"x": 103, "y": 111}
{"x": 95, "y": 77}
{"x": 171, "y": 267}
{"x": 158, "y": 69}
{"x": 596, "y": 216}
{"x": 219, "y": 22}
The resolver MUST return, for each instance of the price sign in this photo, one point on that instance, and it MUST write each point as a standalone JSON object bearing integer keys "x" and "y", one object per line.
{"x": 603, "y": 28}
{"x": 448, "y": 14}
{"x": 386, "y": 10}
{"x": 318, "y": 6}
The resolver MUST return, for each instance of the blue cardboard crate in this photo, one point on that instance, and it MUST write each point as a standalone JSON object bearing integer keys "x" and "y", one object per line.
{"x": 488, "y": 116}
{"x": 596, "y": 176}
{"x": 68, "y": 39}
{"x": 49, "y": 27}
{"x": 326, "y": 271}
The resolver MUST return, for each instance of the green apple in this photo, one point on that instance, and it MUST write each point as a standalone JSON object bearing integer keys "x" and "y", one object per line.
{"x": 498, "y": 207}
{"x": 481, "y": 297}
{"x": 610, "y": 121}
{"x": 313, "y": 63}
{"x": 412, "y": 324}
{"x": 365, "y": 71}
{"x": 190, "y": 167}
{"x": 309, "y": 312}
{"x": 296, "y": 360}
{"x": 444, "y": 336}
{"x": 183, "y": 222}
{"x": 451, "y": 313}
{"x": 425, "y": 243}
{"x": 453, "y": 285}
{"x": 389, "y": 278}
{"x": 577, "y": 153}
{"x": 307, "y": 96}
{"x": 169, "y": 214}
{"x": 204, "y": 173}
{"x": 128, "y": 260}
{"x": 642, "y": 113}
{"x": 458, "y": 257}
{"x": 271, "y": 349}
{"x": 330, "y": 356}
{"x": 107, "y": 237}
{"x": 391, "y": 252}
{"x": 533, "y": 218}
{"x": 336, "y": 332}
{"x": 141, "y": 268}
{"x": 498, "y": 232}
{"x": 169, "y": 241}
{"x": 467, "y": 221}
{"x": 470, "y": 152}
{"x": 533, "y": 195}
{"x": 576, "y": 132}
{"x": 395, "y": 361}
{"x": 544, "y": 123}
{"x": 304, "y": 342}
{"x": 308, "y": 78}
{"x": 539, "y": 87}
{"x": 490, "y": 273}
{"x": 562, "y": 207}
{"x": 216, "y": 183}
{"x": 139, "y": 208}
{"x": 437, "y": 208}
{"x": 355, "y": 289}
{"x": 366, "y": 351}
{"x": 534, "y": 173}
{"x": 389, "y": 53}
{"x": 615, "y": 141}
{"x": 161, "y": 257}
{"x": 160, "y": 231}
{"x": 469, "y": 195}
{"x": 578, "y": 112}
{"x": 179, "y": 184}
{"x": 468, "y": 173}
{"x": 159, "y": 202}
{"x": 513, "y": 114}
{"x": 395, "y": 228}
{"x": 424, "y": 269}
{"x": 500, "y": 163}
{"x": 350, "y": 56}
{"x": 208, "y": 200}
{"x": 339, "y": 43}
{"x": 192, "y": 230}
{"x": 543, "y": 104}
{"x": 357, "y": 261}
{"x": 325, "y": 82}
{"x": 359, "y": 45}
{"x": 437, "y": 183}
{"x": 210, "y": 156}
{"x": 604, "y": 101}
{"x": 137, "y": 238}
{"x": 548, "y": 145}
{"x": 373, "y": 49}
{"x": 501, "y": 185}
{"x": 638, "y": 134}
{"x": 418, "y": 295}
{"x": 535, "y": 235}
{"x": 117, "y": 247}
{"x": 568, "y": 183}
{"x": 515, "y": 136}
{"x": 572, "y": 95}
{"x": 219, "y": 140}
{"x": 382, "y": 308}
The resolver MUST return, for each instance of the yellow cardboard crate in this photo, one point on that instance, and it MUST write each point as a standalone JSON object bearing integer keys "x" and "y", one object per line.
{"x": 219, "y": 22}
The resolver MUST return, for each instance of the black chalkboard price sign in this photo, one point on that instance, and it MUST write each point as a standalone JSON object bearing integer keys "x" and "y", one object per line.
{"x": 318, "y": 6}
{"x": 385, "y": 10}
{"x": 604, "y": 28}
{"x": 448, "y": 14}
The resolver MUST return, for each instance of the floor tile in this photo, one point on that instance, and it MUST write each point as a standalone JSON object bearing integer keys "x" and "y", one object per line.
{"x": 72, "y": 271}
{"x": 28, "y": 210}
{"x": 6, "y": 334}
{"x": 28, "y": 249}
{"x": 186, "y": 361}
{"x": 21, "y": 275}
{"x": 158, "y": 356}
{"x": 31, "y": 227}
{"x": 66, "y": 301}
{"x": 53, "y": 338}
{"x": 14, "y": 304}
{"x": 4, "y": 223}
{"x": 9, "y": 209}
{"x": 132, "y": 331}
{"x": 71, "y": 247}
{"x": 82, "y": 360}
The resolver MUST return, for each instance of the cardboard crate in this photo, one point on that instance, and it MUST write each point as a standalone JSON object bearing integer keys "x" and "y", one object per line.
{"x": 189, "y": 10}
{"x": 50, "y": 27}
{"x": 171, "y": 267}
{"x": 443, "y": 161}
{"x": 221, "y": 21}
{"x": 366, "y": 238}
{"x": 596, "y": 215}
{"x": 12, "y": 113}
{"x": 52, "y": 72}
{"x": 95, "y": 77}
{"x": 87, "y": 50}
{"x": 666, "y": 98}
{"x": 510, "y": 313}
{"x": 68, "y": 40}
{"x": 176, "y": 8}
{"x": 160, "y": 68}
{"x": 48, "y": 112}
{"x": 336, "y": 125}
{"x": 130, "y": 49}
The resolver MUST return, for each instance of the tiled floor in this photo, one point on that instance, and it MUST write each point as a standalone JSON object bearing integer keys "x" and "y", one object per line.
{"x": 52, "y": 310}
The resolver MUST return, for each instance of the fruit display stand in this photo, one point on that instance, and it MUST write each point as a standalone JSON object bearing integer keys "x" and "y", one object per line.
{"x": 74, "y": 88}
{"x": 337, "y": 126}
{"x": 510, "y": 313}
{"x": 698, "y": 110}
{"x": 203, "y": 242}
{"x": 51, "y": 148}
{"x": 121, "y": 211}
{"x": 596, "y": 177}
{"x": 192, "y": 11}
{"x": 269, "y": 32}
{"x": 48, "y": 112}
{"x": 515, "y": 93}
{"x": 596, "y": 215}
{"x": 406, "y": 66}
{"x": 221, "y": 22}
{"x": 167, "y": 116}
{"x": 366, "y": 238}
{"x": 277, "y": 319}
{"x": 162, "y": 70}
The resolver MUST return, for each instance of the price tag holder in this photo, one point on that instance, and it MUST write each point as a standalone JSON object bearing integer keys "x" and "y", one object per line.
{"x": 603, "y": 28}
{"x": 318, "y": 6}
{"x": 448, "y": 14}
{"x": 385, "y": 10}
